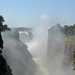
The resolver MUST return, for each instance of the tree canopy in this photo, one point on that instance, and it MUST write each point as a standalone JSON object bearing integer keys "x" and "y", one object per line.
{"x": 67, "y": 30}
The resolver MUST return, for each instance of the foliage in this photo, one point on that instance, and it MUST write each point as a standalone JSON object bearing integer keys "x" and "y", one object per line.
{"x": 67, "y": 30}
{"x": 2, "y": 28}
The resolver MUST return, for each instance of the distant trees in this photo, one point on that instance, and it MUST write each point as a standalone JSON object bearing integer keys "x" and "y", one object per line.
{"x": 67, "y": 30}
{"x": 56, "y": 29}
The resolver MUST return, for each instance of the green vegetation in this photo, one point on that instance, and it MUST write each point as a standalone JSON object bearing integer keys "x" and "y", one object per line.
{"x": 2, "y": 28}
{"x": 67, "y": 30}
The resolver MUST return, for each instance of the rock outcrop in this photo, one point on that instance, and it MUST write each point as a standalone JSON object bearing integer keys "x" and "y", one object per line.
{"x": 4, "y": 67}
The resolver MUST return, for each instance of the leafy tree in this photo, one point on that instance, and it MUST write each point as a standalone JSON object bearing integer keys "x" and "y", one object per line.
{"x": 2, "y": 28}
{"x": 70, "y": 30}
{"x": 67, "y": 30}
{"x": 5, "y": 27}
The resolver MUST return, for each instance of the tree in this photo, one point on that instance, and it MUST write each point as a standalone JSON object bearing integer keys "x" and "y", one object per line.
{"x": 2, "y": 28}
{"x": 70, "y": 30}
{"x": 65, "y": 29}
{"x": 1, "y": 22}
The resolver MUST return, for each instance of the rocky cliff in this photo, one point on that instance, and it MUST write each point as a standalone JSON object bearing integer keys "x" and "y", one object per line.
{"x": 18, "y": 56}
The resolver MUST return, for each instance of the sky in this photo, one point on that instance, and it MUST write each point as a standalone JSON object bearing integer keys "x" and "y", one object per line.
{"x": 27, "y": 13}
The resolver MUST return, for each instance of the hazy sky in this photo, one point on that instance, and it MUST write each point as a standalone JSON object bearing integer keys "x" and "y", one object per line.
{"x": 27, "y": 12}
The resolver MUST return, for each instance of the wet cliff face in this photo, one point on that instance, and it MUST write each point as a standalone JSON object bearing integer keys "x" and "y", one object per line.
{"x": 59, "y": 54}
{"x": 58, "y": 47}
{"x": 4, "y": 67}
{"x": 68, "y": 52}
{"x": 18, "y": 56}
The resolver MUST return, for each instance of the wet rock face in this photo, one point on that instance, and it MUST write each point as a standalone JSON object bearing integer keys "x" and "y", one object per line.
{"x": 4, "y": 67}
{"x": 18, "y": 57}
{"x": 68, "y": 52}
